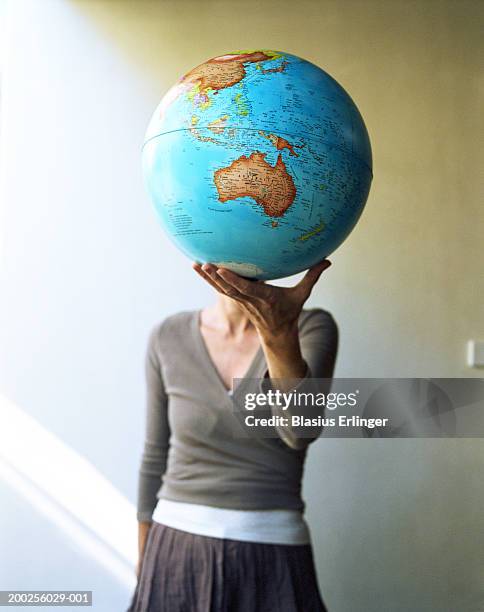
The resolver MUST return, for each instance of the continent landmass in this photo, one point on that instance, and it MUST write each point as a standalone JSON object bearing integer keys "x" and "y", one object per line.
{"x": 199, "y": 98}
{"x": 223, "y": 71}
{"x": 272, "y": 187}
{"x": 207, "y": 79}
{"x": 280, "y": 143}
{"x": 249, "y": 270}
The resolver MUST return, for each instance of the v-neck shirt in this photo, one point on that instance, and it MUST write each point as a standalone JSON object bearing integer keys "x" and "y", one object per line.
{"x": 205, "y": 354}
{"x": 194, "y": 451}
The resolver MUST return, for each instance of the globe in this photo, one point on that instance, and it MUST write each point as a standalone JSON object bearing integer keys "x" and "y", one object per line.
{"x": 257, "y": 161}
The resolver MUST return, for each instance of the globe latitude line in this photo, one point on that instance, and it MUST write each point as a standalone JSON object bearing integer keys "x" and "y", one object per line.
{"x": 309, "y": 136}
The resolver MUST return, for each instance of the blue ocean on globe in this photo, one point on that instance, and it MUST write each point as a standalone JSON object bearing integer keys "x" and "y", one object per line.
{"x": 257, "y": 161}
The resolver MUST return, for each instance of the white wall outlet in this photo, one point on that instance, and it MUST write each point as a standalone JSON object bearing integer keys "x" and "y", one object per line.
{"x": 475, "y": 353}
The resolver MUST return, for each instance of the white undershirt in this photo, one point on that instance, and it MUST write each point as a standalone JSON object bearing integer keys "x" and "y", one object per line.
{"x": 264, "y": 526}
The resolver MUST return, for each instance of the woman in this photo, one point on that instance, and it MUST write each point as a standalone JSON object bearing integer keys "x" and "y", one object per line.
{"x": 225, "y": 532}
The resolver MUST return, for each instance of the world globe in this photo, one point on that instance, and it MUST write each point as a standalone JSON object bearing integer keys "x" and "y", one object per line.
{"x": 259, "y": 162}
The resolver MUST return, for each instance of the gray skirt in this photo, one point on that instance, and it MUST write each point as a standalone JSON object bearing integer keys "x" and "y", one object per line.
{"x": 184, "y": 572}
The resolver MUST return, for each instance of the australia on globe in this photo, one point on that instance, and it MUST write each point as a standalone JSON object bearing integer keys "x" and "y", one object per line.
{"x": 257, "y": 161}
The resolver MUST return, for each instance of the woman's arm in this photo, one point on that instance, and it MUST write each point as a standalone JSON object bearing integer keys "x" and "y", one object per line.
{"x": 318, "y": 342}
{"x": 156, "y": 444}
{"x": 275, "y": 313}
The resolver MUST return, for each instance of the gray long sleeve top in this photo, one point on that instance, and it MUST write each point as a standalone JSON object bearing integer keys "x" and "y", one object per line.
{"x": 190, "y": 452}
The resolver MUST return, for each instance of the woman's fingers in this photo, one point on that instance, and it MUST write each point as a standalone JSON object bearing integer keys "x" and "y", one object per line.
{"x": 209, "y": 273}
{"x": 226, "y": 287}
{"x": 231, "y": 284}
{"x": 242, "y": 285}
{"x": 311, "y": 277}
{"x": 198, "y": 268}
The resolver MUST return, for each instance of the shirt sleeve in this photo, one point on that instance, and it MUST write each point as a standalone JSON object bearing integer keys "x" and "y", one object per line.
{"x": 318, "y": 337}
{"x": 157, "y": 433}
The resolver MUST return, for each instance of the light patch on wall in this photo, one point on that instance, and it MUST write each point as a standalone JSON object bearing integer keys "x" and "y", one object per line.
{"x": 69, "y": 491}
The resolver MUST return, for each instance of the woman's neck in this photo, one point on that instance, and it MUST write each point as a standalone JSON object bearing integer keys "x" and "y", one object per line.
{"x": 227, "y": 316}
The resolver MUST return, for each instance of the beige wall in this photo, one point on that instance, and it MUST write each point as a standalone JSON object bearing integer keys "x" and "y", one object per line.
{"x": 395, "y": 523}
{"x": 408, "y": 285}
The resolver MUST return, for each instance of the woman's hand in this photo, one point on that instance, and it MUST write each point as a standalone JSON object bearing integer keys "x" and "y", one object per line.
{"x": 143, "y": 531}
{"x": 274, "y": 311}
